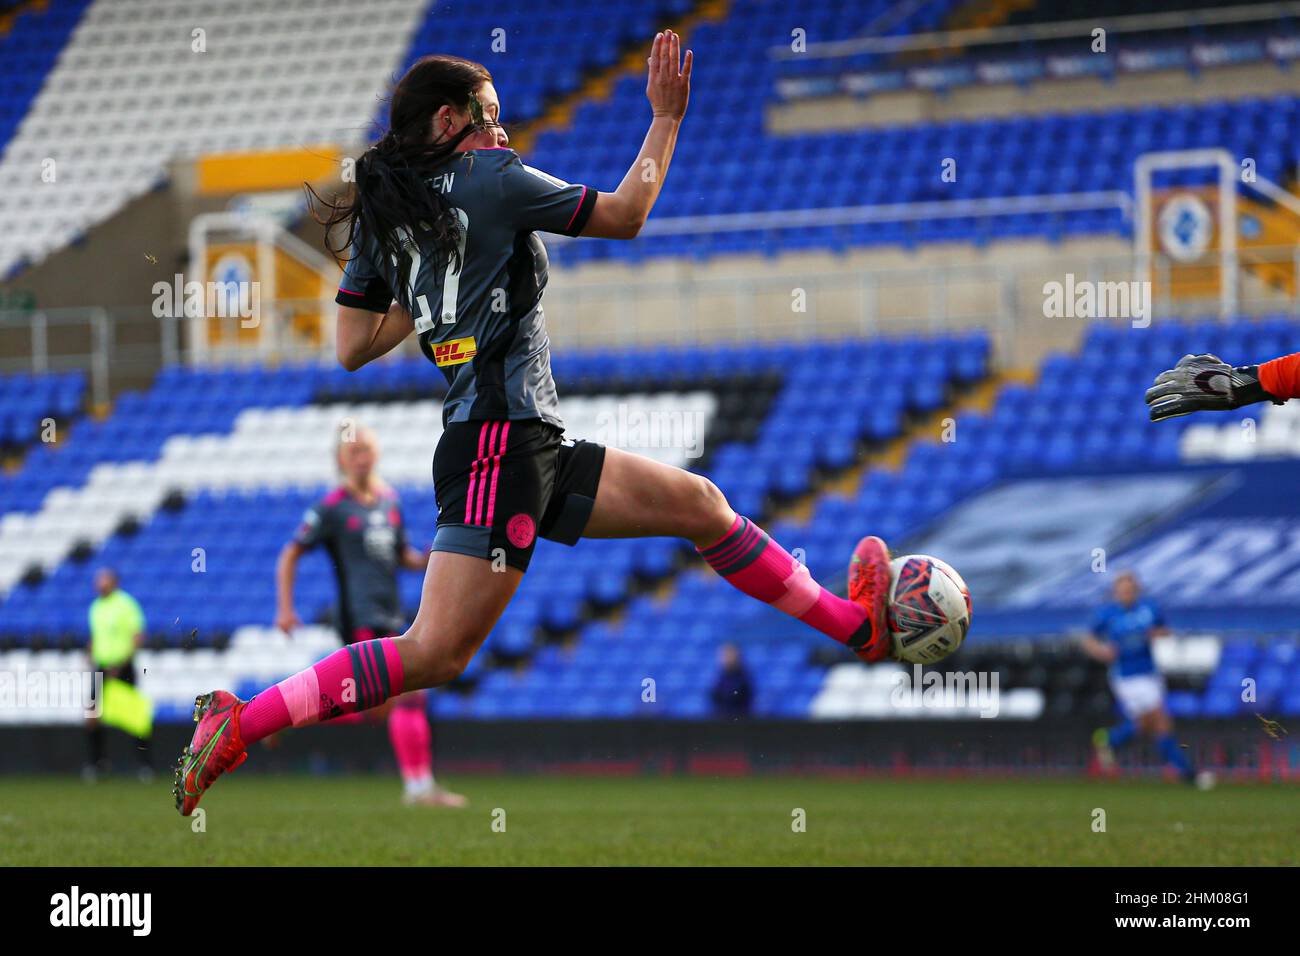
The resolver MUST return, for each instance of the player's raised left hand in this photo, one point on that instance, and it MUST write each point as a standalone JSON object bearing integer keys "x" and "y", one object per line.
{"x": 668, "y": 85}
{"x": 1204, "y": 383}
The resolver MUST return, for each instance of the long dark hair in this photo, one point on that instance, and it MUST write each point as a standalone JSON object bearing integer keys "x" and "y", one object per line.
{"x": 390, "y": 194}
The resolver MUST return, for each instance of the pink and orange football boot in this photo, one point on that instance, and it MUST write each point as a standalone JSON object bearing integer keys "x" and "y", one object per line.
{"x": 215, "y": 748}
{"x": 869, "y": 587}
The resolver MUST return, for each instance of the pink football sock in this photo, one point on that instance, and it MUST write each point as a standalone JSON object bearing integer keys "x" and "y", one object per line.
{"x": 408, "y": 729}
{"x": 353, "y": 678}
{"x": 343, "y": 720}
{"x": 752, "y": 562}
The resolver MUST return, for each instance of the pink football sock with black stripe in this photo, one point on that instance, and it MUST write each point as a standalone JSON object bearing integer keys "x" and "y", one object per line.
{"x": 752, "y": 562}
{"x": 352, "y": 679}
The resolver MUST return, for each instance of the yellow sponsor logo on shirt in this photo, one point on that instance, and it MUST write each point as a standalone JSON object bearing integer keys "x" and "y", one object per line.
{"x": 454, "y": 351}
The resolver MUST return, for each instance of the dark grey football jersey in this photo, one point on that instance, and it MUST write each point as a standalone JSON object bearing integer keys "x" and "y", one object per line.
{"x": 365, "y": 544}
{"x": 481, "y": 324}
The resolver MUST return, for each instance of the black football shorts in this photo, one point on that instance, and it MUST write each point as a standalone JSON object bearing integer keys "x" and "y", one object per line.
{"x": 501, "y": 484}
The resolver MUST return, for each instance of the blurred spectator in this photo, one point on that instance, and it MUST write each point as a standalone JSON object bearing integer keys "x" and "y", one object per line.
{"x": 116, "y": 633}
{"x": 733, "y": 691}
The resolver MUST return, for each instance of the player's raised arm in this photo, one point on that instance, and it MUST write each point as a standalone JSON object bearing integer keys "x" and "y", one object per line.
{"x": 622, "y": 213}
{"x": 1206, "y": 383}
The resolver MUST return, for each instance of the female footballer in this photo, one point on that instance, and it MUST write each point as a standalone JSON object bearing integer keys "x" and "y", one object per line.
{"x": 360, "y": 526}
{"x": 440, "y": 228}
{"x": 1121, "y": 638}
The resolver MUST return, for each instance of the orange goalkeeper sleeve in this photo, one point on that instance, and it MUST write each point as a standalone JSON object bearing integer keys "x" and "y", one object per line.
{"x": 1281, "y": 377}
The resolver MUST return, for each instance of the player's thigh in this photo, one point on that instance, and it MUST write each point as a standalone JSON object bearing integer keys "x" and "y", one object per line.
{"x": 460, "y": 603}
{"x": 494, "y": 481}
{"x": 641, "y": 498}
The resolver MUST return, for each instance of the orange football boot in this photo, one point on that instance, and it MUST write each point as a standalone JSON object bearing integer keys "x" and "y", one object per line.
{"x": 869, "y": 587}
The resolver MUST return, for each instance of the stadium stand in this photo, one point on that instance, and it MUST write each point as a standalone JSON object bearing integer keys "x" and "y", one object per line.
{"x": 1054, "y": 11}
{"x": 541, "y": 62}
{"x": 28, "y": 401}
{"x": 29, "y": 48}
{"x": 793, "y": 428}
{"x": 1027, "y": 433}
{"x": 195, "y": 89}
{"x": 1033, "y": 430}
{"x": 1027, "y": 156}
{"x": 750, "y": 171}
{"x": 214, "y": 90}
{"x": 824, "y": 21}
{"x": 1033, "y": 42}
{"x": 184, "y": 465}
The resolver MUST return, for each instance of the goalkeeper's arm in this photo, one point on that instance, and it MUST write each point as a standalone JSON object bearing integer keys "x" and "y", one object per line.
{"x": 1280, "y": 378}
{"x": 1207, "y": 383}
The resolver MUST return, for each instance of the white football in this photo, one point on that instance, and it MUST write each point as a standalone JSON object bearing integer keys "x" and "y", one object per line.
{"x": 929, "y": 608}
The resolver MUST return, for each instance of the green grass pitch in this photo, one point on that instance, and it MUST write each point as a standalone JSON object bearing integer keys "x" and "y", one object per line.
{"x": 346, "y": 821}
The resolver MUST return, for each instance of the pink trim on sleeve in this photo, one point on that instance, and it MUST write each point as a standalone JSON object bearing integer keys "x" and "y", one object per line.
{"x": 576, "y": 208}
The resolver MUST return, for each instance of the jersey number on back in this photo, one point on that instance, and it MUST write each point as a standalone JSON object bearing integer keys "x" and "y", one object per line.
{"x": 422, "y": 314}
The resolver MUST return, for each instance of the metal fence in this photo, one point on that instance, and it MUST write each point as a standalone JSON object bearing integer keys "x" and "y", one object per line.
{"x": 123, "y": 347}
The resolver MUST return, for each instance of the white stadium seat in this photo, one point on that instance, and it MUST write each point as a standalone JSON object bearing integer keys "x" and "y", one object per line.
{"x": 1272, "y": 432}
{"x": 289, "y": 447}
{"x": 128, "y": 95}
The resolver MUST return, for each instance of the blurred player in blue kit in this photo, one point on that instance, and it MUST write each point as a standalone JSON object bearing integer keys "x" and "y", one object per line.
{"x": 1122, "y": 632}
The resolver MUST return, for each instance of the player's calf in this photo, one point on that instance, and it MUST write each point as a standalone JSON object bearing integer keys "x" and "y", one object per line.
{"x": 752, "y": 562}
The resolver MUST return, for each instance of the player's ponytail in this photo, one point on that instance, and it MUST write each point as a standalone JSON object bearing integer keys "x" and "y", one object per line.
{"x": 390, "y": 196}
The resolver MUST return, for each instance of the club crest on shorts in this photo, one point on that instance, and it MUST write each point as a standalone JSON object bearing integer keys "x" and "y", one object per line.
{"x": 520, "y": 530}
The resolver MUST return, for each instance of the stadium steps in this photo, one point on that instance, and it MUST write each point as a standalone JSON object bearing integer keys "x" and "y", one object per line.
{"x": 980, "y": 398}
{"x": 976, "y": 397}
{"x": 26, "y": 403}
{"x": 559, "y": 115}
{"x": 8, "y": 17}
{"x": 92, "y": 412}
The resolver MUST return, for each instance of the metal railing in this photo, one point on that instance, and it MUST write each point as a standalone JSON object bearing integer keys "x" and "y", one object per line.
{"x": 111, "y": 345}
{"x": 1008, "y": 298}
{"x": 985, "y": 36}
{"x": 123, "y": 347}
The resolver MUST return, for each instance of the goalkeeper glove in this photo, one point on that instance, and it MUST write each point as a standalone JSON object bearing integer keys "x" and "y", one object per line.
{"x": 1200, "y": 383}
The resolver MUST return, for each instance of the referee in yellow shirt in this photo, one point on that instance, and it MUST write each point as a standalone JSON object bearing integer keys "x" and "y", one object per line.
{"x": 116, "y": 631}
